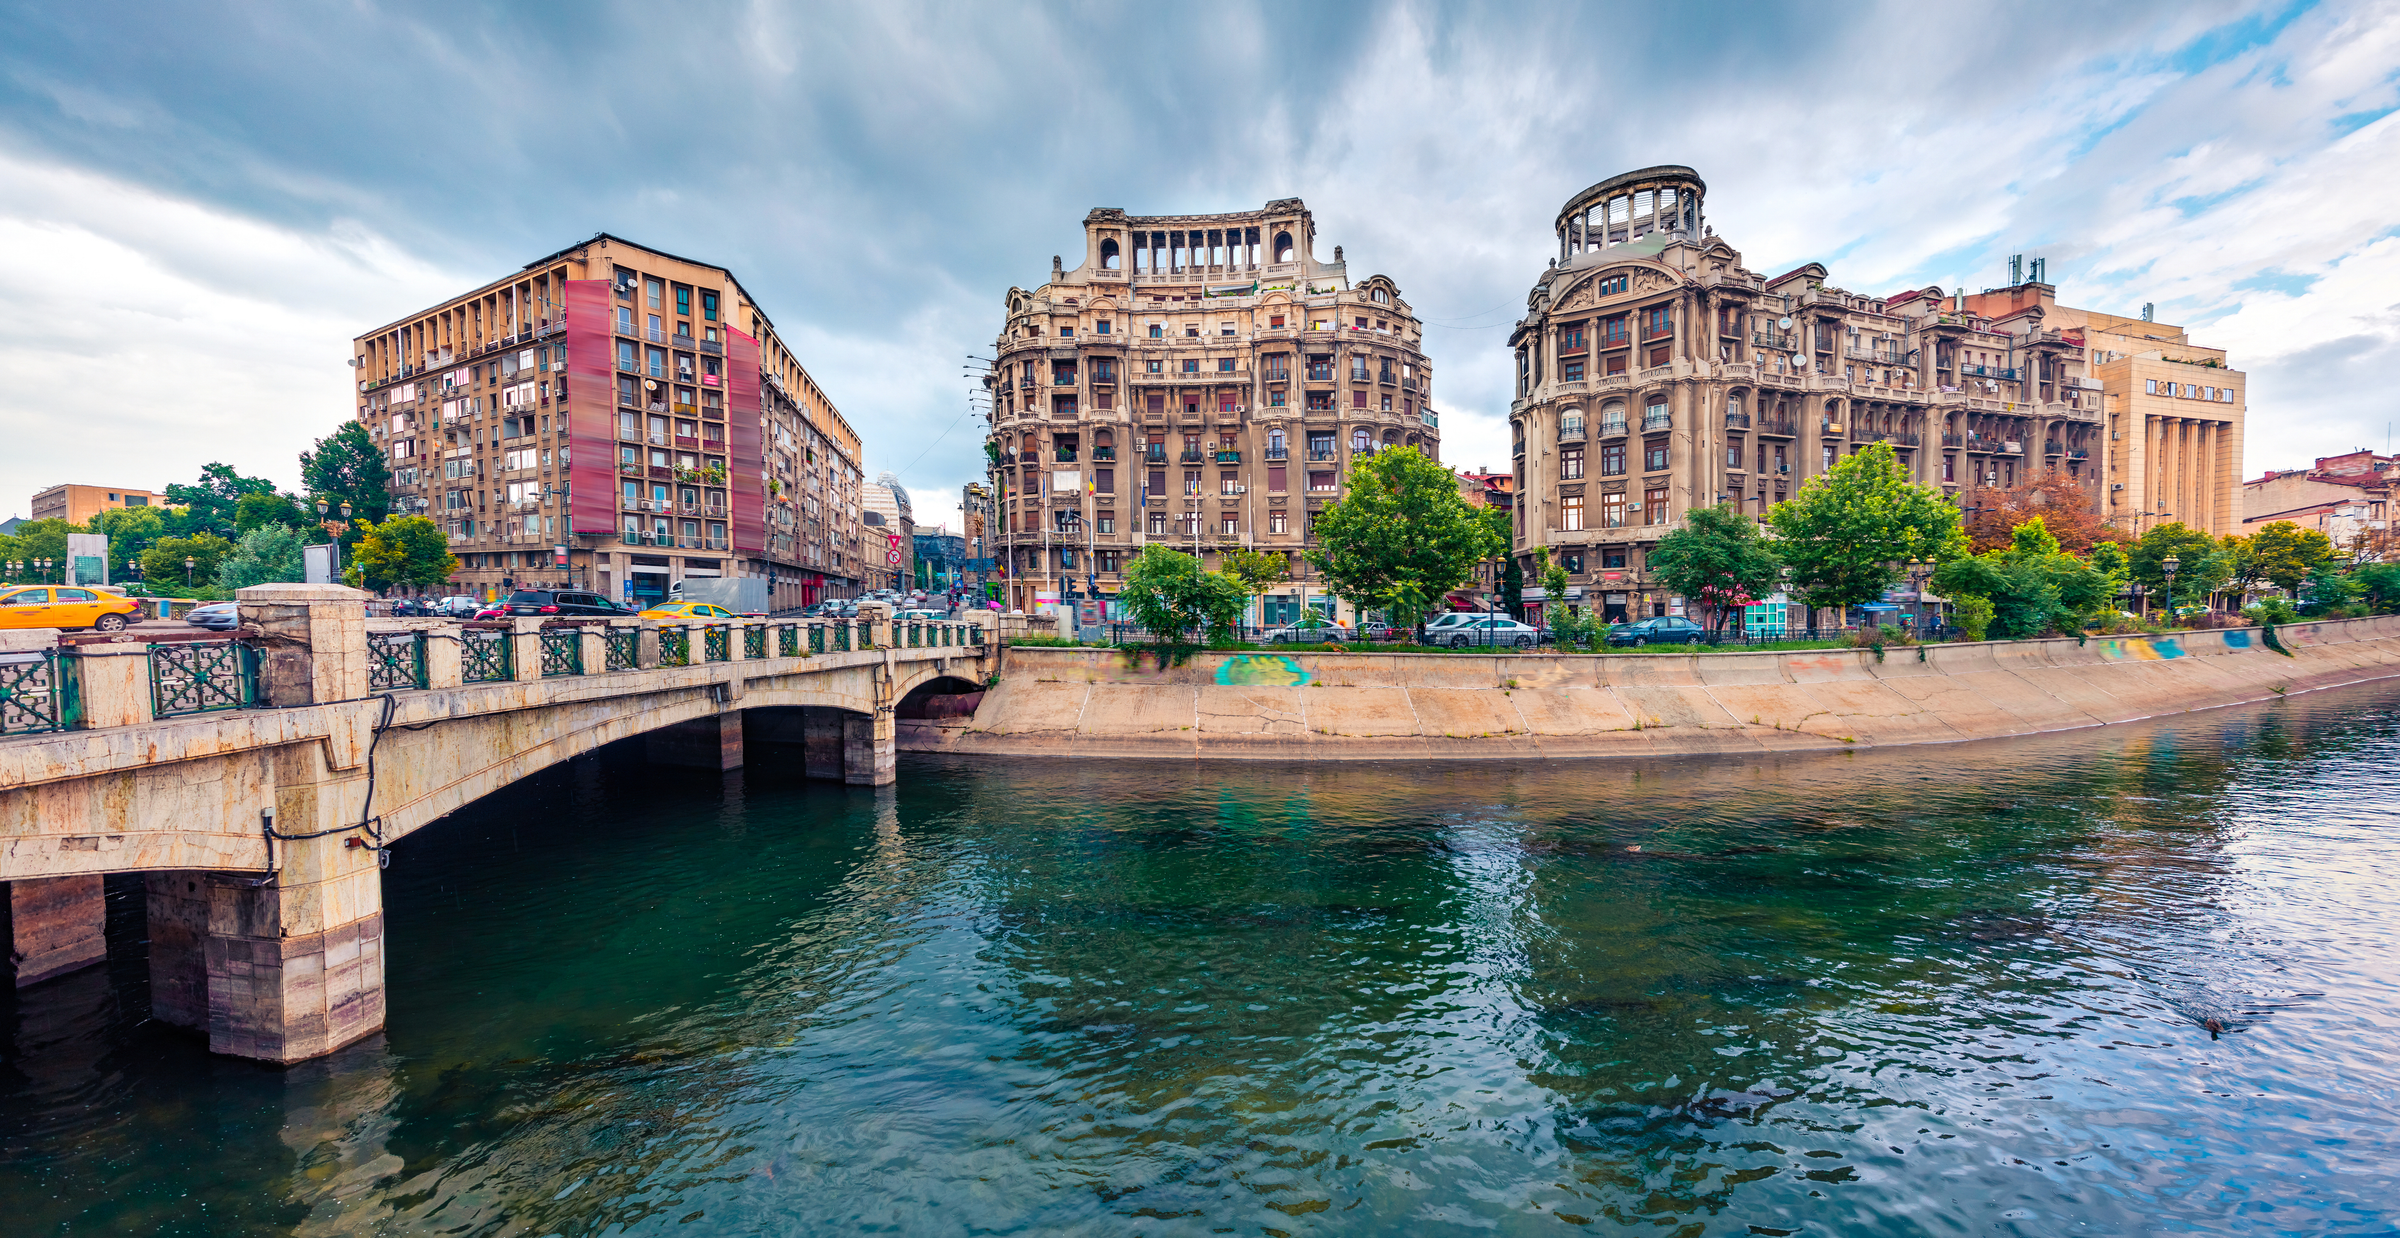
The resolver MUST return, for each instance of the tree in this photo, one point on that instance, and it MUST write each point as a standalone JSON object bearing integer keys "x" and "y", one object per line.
{"x": 2379, "y": 586}
{"x": 2286, "y": 554}
{"x": 1570, "y": 628}
{"x": 404, "y": 550}
{"x": 2032, "y": 586}
{"x": 162, "y": 564}
{"x": 1258, "y": 570}
{"x": 1167, "y": 592}
{"x": 1848, "y": 530}
{"x": 265, "y": 556}
{"x": 40, "y": 539}
{"x": 2199, "y": 567}
{"x": 2064, "y": 501}
{"x": 1718, "y": 560}
{"x": 347, "y": 467}
{"x": 253, "y": 511}
{"x": 210, "y": 503}
{"x": 130, "y": 531}
{"x": 1403, "y": 538}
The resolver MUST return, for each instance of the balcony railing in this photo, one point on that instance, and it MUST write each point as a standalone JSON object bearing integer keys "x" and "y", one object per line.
{"x": 1229, "y": 457}
{"x": 1737, "y": 421}
{"x": 1772, "y": 340}
{"x": 1780, "y": 426}
{"x": 1323, "y": 454}
{"x": 1571, "y": 430}
{"x": 1657, "y": 421}
{"x": 1103, "y": 454}
{"x": 1155, "y": 454}
{"x": 1189, "y": 457}
{"x": 1612, "y": 429}
{"x": 1278, "y": 453}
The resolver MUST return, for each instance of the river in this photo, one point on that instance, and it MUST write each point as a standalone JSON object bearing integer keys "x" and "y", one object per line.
{"x": 1942, "y": 990}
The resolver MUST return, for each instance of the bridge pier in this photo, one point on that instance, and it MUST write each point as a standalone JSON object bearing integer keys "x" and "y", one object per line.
{"x": 52, "y": 926}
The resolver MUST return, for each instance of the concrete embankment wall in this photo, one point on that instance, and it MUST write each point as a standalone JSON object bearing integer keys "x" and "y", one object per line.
{"x": 1092, "y": 702}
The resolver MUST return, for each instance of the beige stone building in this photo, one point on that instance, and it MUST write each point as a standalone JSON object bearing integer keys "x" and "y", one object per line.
{"x": 77, "y": 504}
{"x": 2347, "y": 498}
{"x": 1656, "y": 372}
{"x": 1205, "y": 381}
{"x": 615, "y": 418}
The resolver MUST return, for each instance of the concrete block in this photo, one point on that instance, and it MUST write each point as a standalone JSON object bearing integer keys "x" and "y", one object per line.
{"x": 53, "y": 925}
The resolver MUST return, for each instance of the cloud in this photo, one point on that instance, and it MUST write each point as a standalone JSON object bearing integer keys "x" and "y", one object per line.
{"x": 213, "y": 201}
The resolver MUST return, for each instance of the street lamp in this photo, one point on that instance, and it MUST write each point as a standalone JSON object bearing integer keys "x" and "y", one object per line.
{"x": 2170, "y": 564}
{"x": 188, "y": 562}
{"x": 1917, "y": 569}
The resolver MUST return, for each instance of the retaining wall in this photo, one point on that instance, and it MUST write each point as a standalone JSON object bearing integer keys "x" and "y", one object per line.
{"x": 1095, "y": 702}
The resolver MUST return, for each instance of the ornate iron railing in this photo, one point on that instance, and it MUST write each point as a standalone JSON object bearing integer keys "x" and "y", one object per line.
{"x": 201, "y": 676}
{"x": 841, "y": 636}
{"x": 487, "y": 655}
{"x": 32, "y": 693}
{"x": 624, "y": 648}
{"x": 718, "y": 642}
{"x": 674, "y": 646}
{"x": 754, "y": 642}
{"x": 816, "y": 638}
{"x": 562, "y": 651}
{"x": 975, "y": 634}
{"x": 787, "y": 641}
{"x": 395, "y": 660}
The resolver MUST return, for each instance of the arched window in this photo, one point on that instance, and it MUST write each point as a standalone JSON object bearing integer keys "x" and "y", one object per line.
{"x": 1358, "y": 439}
{"x": 1283, "y": 247}
{"x": 1382, "y": 297}
{"x": 1612, "y": 417}
{"x": 1109, "y": 259}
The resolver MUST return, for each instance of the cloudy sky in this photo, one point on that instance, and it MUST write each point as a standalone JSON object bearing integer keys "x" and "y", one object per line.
{"x": 200, "y": 204}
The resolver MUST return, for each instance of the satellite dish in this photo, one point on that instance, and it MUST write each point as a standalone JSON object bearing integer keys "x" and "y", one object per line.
{"x": 649, "y": 384}
{"x": 1799, "y": 361}
{"x": 1784, "y": 323}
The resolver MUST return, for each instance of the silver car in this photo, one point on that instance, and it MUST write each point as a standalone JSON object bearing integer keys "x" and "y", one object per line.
{"x": 215, "y": 616}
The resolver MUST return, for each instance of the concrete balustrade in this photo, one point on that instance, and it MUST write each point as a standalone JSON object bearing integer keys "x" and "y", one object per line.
{"x": 260, "y": 830}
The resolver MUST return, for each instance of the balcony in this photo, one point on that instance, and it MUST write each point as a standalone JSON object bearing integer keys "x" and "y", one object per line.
{"x": 1657, "y": 332}
{"x": 1320, "y": 455}
{"x": 712, "y": 348}
{"x": 1737, "y": 421}
{"x": 1064, "y": 378}
{"x": 1771, "y": 340}
{"x": 1278, "y": 453}
{"x": 1571, "y": 430}
{"x": 1155, "y": 454}
{"x": 1278, "y": 376}
{"x": 1104, "y": 378}
{"x": 1029, "y": 457}
{"x": 1102, "y": 455}
{"x": 1189, "y": 457}
{"x": 1830, "y": 428}
{"x": 2053, "y": 448}
{"x": 1320, "y": 373}
{"x": 1657, "y": 421}
{"x": 1780, "y": 427}
{"x": 656, "y": 336}
{"x": 1229, "y": 457}
{"x": 1612, "y": 429}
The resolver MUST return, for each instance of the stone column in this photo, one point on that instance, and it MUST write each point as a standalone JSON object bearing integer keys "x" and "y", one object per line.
{"x": 701, "y": 743}
{"x": 112, "y": 684}
{"x": 592, "y": 644}
{"x": 53, "y": 925}
{"x": 178, "y": 903}
{"x": 525, "y": 647}
{"x": 822, "y": 743}
{"x": 875, "y": 622}
{"x": 316, "y": 642}
{"x": 646, "y": 645}
{"x": 869, "y": 756}
{"x": 445, "y": 660}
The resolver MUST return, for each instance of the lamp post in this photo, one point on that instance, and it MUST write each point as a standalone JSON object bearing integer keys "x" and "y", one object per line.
{"x": 1916, "y": 585}
{"x": 46, "y": 566}
{"x": 2170, "y": 564}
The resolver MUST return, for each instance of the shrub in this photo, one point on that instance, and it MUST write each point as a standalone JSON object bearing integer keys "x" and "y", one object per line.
{"x": 2271, "y": 611}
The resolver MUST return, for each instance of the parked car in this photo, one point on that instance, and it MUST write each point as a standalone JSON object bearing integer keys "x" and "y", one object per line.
{"x": 687, "y": 611}
{"x": 1310, "y": 633}
{"x": 1453, "y": 618}
{"x": 1488, "y": 630}
{"x": 561, "y": 602}
{"x": 1662, "y": 631}
{"x": 456, "y": 606}
{"x": 215, "y": 616}
{"x": 65, "y": 606}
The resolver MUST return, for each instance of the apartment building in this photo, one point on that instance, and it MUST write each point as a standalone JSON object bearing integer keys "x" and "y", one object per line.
{"x": 2347, "y": 498}
{"x": 1204, "y": 381}
{"x": 617, "y": 418}
{"x": 891, "y": 527}
{"x": 77, "y": 504}
{"x": 1655, "y": 373}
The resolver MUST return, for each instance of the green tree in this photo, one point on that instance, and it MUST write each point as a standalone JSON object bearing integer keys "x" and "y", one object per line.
{"x": 1718, "y": 560}
{"x": 2329, "y": 588}
{"x": 1258, "y": 570}
{"x": 1167, "y": 592}
{"x": 1403, "y": 538}
{"x": 347, "y": 467}
{"x": 2199, "y": 567}
{"x": 162, "y": 564}
{"x": 2379, "y": 586}
{"x": 40, "y": 539}
{"x": 1570, "y": 627}
{"x": 404, "y": 550}
{"x": 1848, "y": 530}
{"x": 265, "y": 556}
{"x": 255, "y": 511}
{"x": 2032, "y": 586}
{"x": 130, "y": 531}
{"x": 209, "y": 504}
{"x": 2286, "y": 554}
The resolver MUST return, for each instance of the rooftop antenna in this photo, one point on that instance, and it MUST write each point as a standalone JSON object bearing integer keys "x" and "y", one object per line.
{"x": 2149, "y": 312}
{"x": 2041, "y": 270}
{"x": 2016, "y": 269}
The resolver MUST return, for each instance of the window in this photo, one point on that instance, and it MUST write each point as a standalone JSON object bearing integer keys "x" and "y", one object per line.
{"x": 1104, "y": 481}
{"x": 1155, "y": 332}
{"x": 1068, "y": 331}
{"x": 1109, "y": 560}
{"x": 1654, "y": 457}
{"x": 1275, "y": 322}
{"x": 1276, "y": 477}
{"x": 1230, "y": 526}
{"x": 683, "y": 301}
{"x": 1283, "y": 247}
{"x": 1612, "y": 460}
{"x": 1191, "y": 330}
{"x": 1658, "y": 357}
{"x": 1107, "y": 521}
{"x": 1276, "y": 519}
{"x": 1154, "y": 367}
{"x": 1949, "y": 468}
{"x": 1191, "y": 365}
{"x": 1570, "y": 339}
{"x": 625, "y": 319}
{"x": 1655, "y": 504}
{"x": 1733, "y": 455}
{"x": 1573, "y": 562}
{"x": 1570, "y": 512}
{"x": 708, "y": 306}
{"x": 1100, "y": 327}
{"x": 1322, "y": 480}
{"x": 1570, "y": 463}
{"x": 654, "y": 289}
{"x": 1612, "y": 285}
{"x": 1358, "y": 399}
{"x": 1572, "y": 371}
{"x": 1358, "y": 438}
{"x": 1224, "y": 365}
{"x": 2150, "y": 386}
{"x": 1225, "y": 328}
{"x": 1612, "y": 511}
{"x": 1158, "y": 524}
{"x": 1191, "y": 481}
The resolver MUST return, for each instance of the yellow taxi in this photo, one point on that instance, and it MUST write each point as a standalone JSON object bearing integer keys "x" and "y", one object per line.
{"x": 686, "y": 611}
{"x": 63, "y": 606}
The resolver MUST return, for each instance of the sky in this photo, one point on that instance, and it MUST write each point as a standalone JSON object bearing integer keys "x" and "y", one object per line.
{"x": 200, "y": 205}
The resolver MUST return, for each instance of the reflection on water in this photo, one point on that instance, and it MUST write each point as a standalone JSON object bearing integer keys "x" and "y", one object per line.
{"x": 2113, "y": 982}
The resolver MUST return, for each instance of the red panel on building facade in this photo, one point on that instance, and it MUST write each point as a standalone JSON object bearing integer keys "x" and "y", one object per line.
{"x": 746, "y": 465}
{"x": 591, "y": 430}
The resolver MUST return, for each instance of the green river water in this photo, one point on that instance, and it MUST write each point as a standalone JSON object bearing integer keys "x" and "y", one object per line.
{"x": 1945, "y": 990}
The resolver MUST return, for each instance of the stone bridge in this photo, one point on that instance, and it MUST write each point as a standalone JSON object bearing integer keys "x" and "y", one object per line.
{"x": 256, "y": 782}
